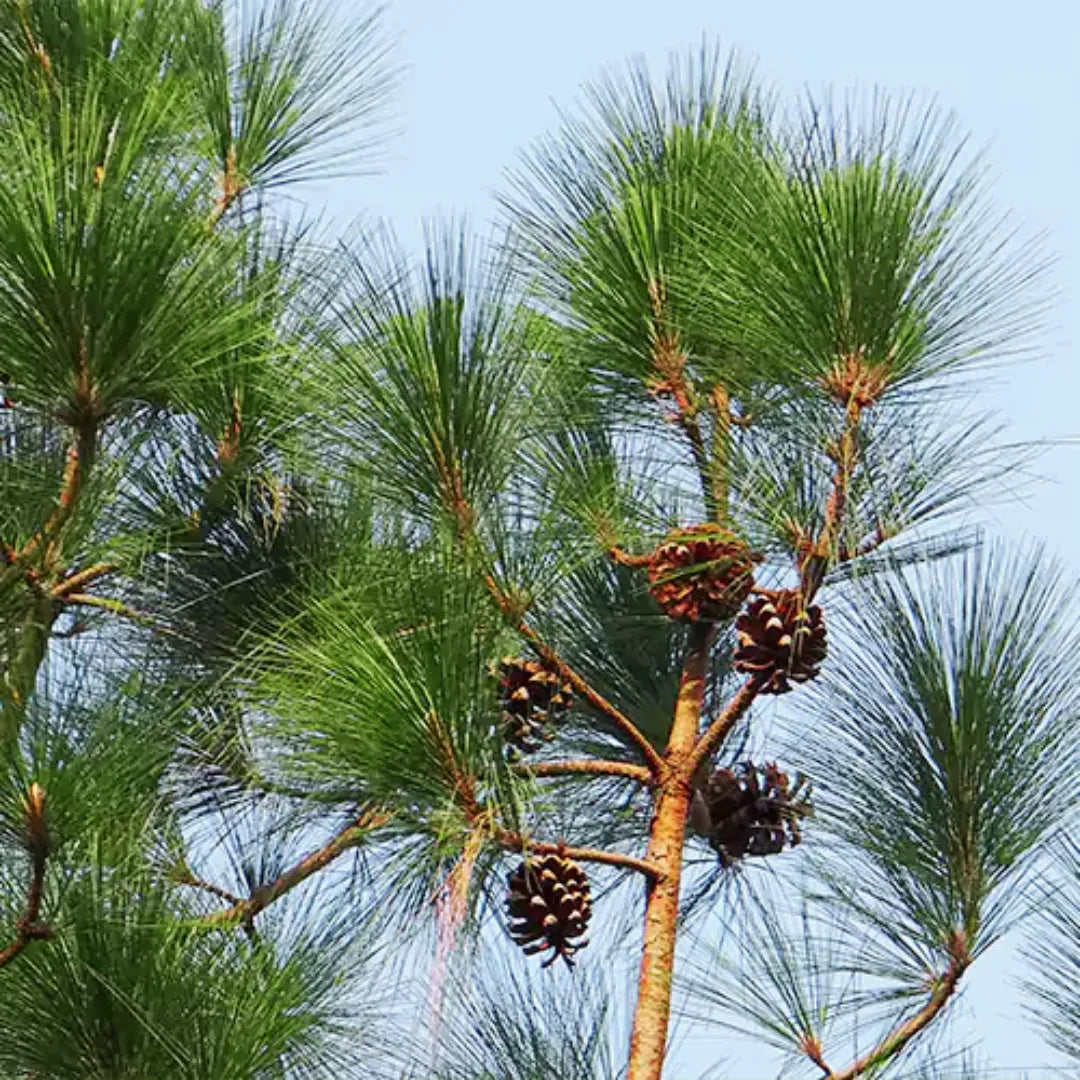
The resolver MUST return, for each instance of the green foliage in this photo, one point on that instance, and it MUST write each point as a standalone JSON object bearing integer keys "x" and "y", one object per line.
{"x": 879, "y": 243}
{"x": 618, "y": 212}
{"x": 142, "y": 993}
{"x": 288, "y": 87}
{"x": 946, "y": 748}
{"x": 1054, "y": 957}
{"x": 272, "y": 509}
{"x": 432, "y": 380}
{"x": 508, "y": 1028}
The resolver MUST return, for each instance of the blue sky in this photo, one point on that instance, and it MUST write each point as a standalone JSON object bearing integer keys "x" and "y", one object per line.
{"x": 484, "y": 79}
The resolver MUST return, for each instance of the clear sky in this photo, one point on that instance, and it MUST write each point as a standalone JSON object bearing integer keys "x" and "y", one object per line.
{"x": 484, "y": 79}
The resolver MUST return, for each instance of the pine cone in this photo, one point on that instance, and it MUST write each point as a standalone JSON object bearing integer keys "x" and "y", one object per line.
{"x": 549, "y": 906}
{"x": 533, "y": 700}
{"x": 781, "y": 641}
{"x": 755, "y": 811}
{"x": 701, "y": 574}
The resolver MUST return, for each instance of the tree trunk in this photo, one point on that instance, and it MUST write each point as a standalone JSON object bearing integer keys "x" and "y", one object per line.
{"x": 649, "y": 1039}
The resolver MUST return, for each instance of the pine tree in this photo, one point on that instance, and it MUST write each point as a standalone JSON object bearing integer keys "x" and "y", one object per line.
{"x": 366, "y": 616}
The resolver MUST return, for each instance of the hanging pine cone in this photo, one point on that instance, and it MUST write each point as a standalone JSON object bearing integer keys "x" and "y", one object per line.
{"x": 533, "y": 698}
{"x": 701, "y": 574}
{"x": 780, "y": 640}
{"x": 754, "y": 811}
{"x": 549, "y": 906}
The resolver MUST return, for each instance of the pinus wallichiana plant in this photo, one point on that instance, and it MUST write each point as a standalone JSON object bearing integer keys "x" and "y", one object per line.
{"x": 346, "y": 594}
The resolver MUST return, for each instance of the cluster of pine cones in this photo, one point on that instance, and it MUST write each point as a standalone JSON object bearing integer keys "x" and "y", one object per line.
{"x": 706, "y": 574}
{"x": 701, "y": 574}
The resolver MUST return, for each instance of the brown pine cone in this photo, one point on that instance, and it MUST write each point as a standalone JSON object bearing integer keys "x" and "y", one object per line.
{"x": 780, "y": 641}
{"x": 701, "y": 574}
{"x": 754, "y": 811}
{"x": 533, "y": 700}
{"x": 548, "y": 906}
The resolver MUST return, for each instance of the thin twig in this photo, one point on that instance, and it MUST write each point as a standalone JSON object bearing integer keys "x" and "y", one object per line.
{"x": 588, "y": 766}
{"x": 857, "y": 385}
{"x": 115, "y": 607}
{"x": 516, "y": 842}
{"x": 624, "y": 558}
{"x": 28, "y": 928}
{"x": 465, "y": 518}
{"x": 903, "y": 1033}
{"x": 669, "y": 364}
{"x": 719, "y": 729}
{"x": 208, "y": 887}
{"x": 810, "y": 1045}
{"x": 244, "y": 911}
{"x": 594, "y": 698}
{"x": 78, "y": 581}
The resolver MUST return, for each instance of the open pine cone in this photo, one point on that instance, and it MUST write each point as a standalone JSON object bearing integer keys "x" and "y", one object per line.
{"x": 701, "y": 574}
{"x": 780, "y": 640}
{"x": 754, "y": 811}
{"x": 548, "y": 906}
{"x": 533, "y": 699}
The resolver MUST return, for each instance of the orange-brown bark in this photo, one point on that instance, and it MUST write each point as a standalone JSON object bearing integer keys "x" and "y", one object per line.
{"x": 588, "y": 767}
{"x": 29, "y": 928}
{"x": 651, "y": 1019}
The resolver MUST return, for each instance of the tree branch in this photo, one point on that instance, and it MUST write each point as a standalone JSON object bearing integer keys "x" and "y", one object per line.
{"x": 244, "y": 911}
{"x": 516, "y": 842}
{"x": 667, "y": 839}
{"x": 669, "y": 363}
{"x": 720, "y": 728}
{"x": 588, "y": 767}
{"x": 624, "y": 558}
{"x": 857, "y": 386}
{"x": 28, "y": 928}
{"x": 903, "y": 1033}
{"x": 465, "y": 519}
{"x": 595, "y": 699}
{"x": 75, "y": 583}
{"x": 187, "y": 878}
{"x": 115, "y": 607}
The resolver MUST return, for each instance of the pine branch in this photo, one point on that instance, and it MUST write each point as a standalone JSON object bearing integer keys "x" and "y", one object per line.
{"x": 244, "y": 911}
{"x": 900, "y": 1036}
{"x": 594, "y": 698}
{"x": 465, "y": 518}
{"x": 78, "y": 581}
{"x": 189, "y": 879}
{"x": 588, "y": 767}
{"x": 516, "y": 842}
{"x": 669, "y": 381}
{"x": 624, "y": 558}
{"x": 718, "y": 730}
{"x": 857, "y": 385}
{"x": 28, "y": 928}
{"x": 116, "y": 607}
